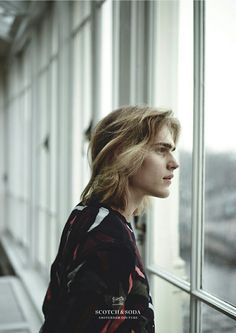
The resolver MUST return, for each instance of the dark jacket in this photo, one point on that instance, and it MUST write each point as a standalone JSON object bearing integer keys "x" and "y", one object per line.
{"x": 98, "y": 283}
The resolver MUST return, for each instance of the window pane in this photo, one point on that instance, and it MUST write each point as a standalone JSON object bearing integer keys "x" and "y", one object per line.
{"x": 43, "y": 146}
{"x": 171, "y": 307}
{"x": 185, "y": 115}
{"x": 43, "y": 164}
{"x": 173, "y": 86}
{"x": 54, "y": 169}
{"x": 82, "y": 110}
{"x": 216, "y": 322}
{"x": 220, "y": 187}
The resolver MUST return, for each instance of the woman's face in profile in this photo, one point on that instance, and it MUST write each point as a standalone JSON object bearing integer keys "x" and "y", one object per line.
{"x": 159, "y": 163}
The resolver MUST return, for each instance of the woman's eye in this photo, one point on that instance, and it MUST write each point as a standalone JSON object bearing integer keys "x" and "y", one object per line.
{"x": 161, "y": 150}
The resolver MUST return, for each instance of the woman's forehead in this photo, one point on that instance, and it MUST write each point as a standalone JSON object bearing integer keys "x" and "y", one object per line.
{"x": 164, "y": 135}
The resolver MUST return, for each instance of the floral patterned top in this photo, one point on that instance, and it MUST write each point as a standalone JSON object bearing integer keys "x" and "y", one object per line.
{"x": 97, "y": 281}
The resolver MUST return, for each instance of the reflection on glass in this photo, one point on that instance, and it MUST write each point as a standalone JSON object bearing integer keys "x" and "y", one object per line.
{"x": 219, "y": 272}
{"x": 216, "y": 322}
{"x": 171, "y": 305}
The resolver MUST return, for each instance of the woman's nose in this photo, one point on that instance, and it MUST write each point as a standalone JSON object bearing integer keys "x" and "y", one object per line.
{"x": 173, "y": 164}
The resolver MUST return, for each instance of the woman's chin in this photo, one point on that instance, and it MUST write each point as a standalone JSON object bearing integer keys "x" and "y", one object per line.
{"x": 162, "y": 194}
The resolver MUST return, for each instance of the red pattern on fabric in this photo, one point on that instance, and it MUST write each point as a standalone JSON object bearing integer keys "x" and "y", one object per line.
{"x": 75, "y": 252}
{"x": 102, "y": 237}
{"x": 49, "y": 294}
{"x": 89, "y": 244}
{"x": 140, "y": 273}
{"x": 72, "y": 221}
{"x": 130, "y": 283}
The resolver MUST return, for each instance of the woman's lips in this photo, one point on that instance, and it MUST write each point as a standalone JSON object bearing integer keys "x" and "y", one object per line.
{"x": 167, "y": 179}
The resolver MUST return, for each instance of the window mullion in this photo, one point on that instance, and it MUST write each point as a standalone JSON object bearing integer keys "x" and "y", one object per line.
{"x": 198, "y": 167}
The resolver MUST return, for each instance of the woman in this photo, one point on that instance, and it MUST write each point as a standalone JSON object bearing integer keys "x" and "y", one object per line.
{"x": 98, "y": 282}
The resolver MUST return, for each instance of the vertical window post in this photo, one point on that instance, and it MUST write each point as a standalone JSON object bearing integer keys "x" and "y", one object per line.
{"x": 198, "y": 166}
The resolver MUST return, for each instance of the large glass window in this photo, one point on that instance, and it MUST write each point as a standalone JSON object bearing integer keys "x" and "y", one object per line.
{"x": 172, "y": 307}
{"x": 215, "y": 322}
{"x": 220, "y": 153}
{"x": 173, "y": 88}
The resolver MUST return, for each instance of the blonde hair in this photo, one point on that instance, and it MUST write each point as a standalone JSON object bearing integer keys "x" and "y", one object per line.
{"x": 118, "y": 146}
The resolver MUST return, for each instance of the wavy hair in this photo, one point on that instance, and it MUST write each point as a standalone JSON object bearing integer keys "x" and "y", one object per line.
{"x": 117, "y": 149}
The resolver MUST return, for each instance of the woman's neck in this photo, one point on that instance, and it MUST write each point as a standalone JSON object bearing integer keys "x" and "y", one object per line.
{"x": 134, "y": 200}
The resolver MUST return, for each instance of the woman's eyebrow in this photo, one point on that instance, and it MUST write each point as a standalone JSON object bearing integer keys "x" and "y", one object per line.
{"x": 167, "y": 145}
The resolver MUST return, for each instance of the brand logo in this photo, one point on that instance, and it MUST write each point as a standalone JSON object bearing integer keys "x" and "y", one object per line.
{"x": 117, "y": 312}
{"x": 118, "y": 300}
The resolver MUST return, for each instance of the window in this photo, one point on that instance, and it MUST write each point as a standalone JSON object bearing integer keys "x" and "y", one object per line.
{"x": 220, "y": 152}
{"x": 172, "y": 307}
{"x": 82, "y": 101}
{"x": 172, "y": 86}
{"x": 191, "y": 245}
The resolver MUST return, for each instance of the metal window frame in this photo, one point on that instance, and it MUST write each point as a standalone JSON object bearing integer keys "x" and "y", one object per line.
{"x": 197, "y": 168}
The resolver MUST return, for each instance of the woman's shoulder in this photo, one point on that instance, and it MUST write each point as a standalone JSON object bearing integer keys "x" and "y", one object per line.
{"x": 96, "y": 218}
{"x": 91, "y": 228}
